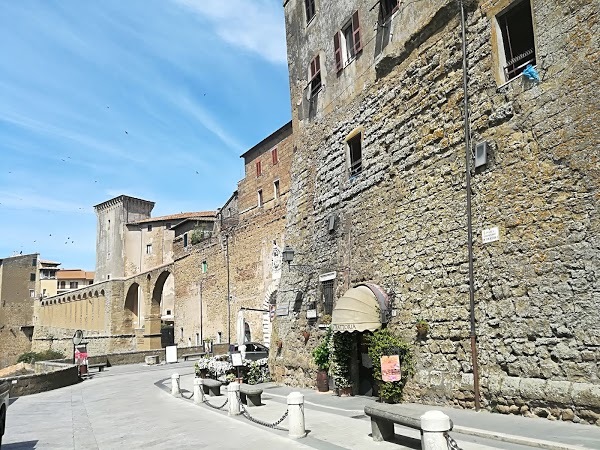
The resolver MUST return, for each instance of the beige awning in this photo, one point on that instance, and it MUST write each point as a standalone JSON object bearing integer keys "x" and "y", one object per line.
{"x": 357, "y": 310}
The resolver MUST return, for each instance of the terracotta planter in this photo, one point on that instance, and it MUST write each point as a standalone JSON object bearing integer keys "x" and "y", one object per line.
{"x": 322, "y": 381}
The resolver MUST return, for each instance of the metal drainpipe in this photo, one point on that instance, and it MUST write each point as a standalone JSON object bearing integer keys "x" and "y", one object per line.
{"x": 469, "y": 224}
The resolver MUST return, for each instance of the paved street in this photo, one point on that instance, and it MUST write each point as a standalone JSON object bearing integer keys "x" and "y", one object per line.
{"x": 131, "y": 407}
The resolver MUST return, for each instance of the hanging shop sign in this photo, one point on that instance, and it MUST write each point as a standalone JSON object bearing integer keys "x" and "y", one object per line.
{"x": 390, "y": 368}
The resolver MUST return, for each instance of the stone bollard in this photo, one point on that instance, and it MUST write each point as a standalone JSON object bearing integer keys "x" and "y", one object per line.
{"x": 198, "y": 391}
{"x": 433, "y": 426}
{"x": 175, "y": 391}
{"x": 295, "y": 402}
{"x": 233, "y": 397}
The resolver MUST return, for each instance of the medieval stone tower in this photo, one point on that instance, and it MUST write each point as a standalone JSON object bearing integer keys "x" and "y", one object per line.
{"x": 113, "y": 216}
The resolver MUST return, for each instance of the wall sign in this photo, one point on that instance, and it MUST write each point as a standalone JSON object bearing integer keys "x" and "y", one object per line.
{"x": 282, "y": 310}
{"x": 311, "y": 313}
{"x": 390, "y": 368}
{"x": 490, "y": 235}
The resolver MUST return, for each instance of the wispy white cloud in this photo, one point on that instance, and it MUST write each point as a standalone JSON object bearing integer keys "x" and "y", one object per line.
{"x": 32, "y": 201}
{"x": 254, "y": 25}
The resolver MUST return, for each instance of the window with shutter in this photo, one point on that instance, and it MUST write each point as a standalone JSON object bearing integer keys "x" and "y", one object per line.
{"x": 315, "y": 75}
{"x": 258, "y": 169}
{"x": 274, "y": 156}
{"x": 310, "y": 10}
{"x": 387, "y": 8}
{"x": 356, "y": 33}
{"x": 347, "y": 43}
{"x": 339, "y": 65}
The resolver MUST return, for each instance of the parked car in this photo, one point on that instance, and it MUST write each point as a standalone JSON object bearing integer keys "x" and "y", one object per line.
{"x": 4, "y": 392}
{"x": 254, "y": 350}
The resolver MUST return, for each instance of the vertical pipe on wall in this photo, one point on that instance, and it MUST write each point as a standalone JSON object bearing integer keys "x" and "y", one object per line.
{"x": 473, "y": 333}
{"x": 228, "y": 290}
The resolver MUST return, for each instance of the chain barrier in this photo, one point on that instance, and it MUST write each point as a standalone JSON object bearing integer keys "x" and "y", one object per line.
{"x": 452, "y": 445}
{"x": 247, "y": 415}
{"x": 187, "y": 398}
{"x": 206, "y": 402}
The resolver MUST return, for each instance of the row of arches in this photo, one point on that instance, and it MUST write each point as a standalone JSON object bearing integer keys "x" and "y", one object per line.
{"x": 74, "y": 297}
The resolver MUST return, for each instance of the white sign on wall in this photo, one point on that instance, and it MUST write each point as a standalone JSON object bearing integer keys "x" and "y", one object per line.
{"x": 490, "y": 235}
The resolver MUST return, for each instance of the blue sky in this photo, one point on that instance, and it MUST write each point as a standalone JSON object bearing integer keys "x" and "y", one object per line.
{"x": 150, "y": 98}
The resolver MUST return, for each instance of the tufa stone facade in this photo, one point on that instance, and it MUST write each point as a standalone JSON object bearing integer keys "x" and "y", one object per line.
{"x": 399, "y": 204}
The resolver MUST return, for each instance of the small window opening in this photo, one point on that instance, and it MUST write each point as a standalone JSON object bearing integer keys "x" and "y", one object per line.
{"x": 73, "y": 284}
{"x": 388, "y": 7}
{"x": 258, "y": 169}
{"x": 32, "y": 293}
{"x": 276, "y": 189}
{"x": 310, "y": 10}
{"x": 185, "y": 240}
{"x": 355, "y": 152}
{"x": 32, "y": 277}
{"x": 347, "y": 43}
{"x": 204, "y": 266}
{"x": 148, "y": 249}
{"x": 315, "y": 75}
{"x": 150, "y": 227}
{"x": 34, "y": 262}
{"x": 327, "y": 291}
{"x": 516, "y": 26}
{"x": 274, "y": 156}
{"x": 260, "y": 198}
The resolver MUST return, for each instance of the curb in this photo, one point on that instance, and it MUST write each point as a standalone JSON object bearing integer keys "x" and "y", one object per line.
{"x": 513, "y": 439}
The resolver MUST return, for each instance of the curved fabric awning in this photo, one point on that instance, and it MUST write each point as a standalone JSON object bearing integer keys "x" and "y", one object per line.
{"x": 359, "y": 309}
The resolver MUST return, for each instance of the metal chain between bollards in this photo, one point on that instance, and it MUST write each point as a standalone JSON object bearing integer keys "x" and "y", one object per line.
{"x": 247, "y": 415}
{"x": 206, "y": 402}
{"x": 452, "y": 445}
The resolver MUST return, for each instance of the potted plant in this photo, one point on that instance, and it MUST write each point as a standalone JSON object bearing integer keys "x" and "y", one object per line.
{"x": 201, "y": 367}
{"x": 320, "y": 356}
{"x": 422, "y": 328}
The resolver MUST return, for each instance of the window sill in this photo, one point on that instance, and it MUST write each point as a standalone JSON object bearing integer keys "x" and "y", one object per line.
{"x": 506, "y": 83}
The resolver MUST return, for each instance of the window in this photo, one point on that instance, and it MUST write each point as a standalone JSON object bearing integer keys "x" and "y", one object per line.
{"x": 149, "y": 227}
{"x": 44, "y": 293}
{"x": 276, "y": 189}
{"x": 315, "y": 75}
{"x": 63, "y": 284}
{"x": 327, "y": 292}
{"x": 258, "y": 169}
{"x": 204, "y": 266}
{"x": 347, "y": 43}
{"x": 91, "y": 282}
{"x": 355, "y": 154}
{"x": 181, "y": 332}
{"x": 274, "y": 156}
{"x": 73, "y": 284}
{"x": 34, "y": 262}
{"x": 148, "y": 249}
{"x": 168, "y": 225}
{"x": 518, "y": 47}
{"x": 32, "y": 293}
{"x": 32, "y": 277}
{"x": 388, "y": 7}
{"x": 197, "y": 339}
{"x": 108, "y": 276}
{"x": 185, "y": 240}
{"x": 260, "y": 198}
{"x": 310, "y": 10}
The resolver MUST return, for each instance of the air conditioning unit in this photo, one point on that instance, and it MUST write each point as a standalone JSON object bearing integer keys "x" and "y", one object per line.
{"x": 481, "y": 154}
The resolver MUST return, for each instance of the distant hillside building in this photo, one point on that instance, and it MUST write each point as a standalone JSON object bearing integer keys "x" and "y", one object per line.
{"x": 71, "y": 279}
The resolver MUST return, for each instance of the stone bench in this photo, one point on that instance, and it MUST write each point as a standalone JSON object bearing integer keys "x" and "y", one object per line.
{"x": 193, "y": 355}
{"x": 384, "y": 416}
{"x": 99, "y": 366}
{"x": 211, "y": 387}
{"x": 250, "y": 395}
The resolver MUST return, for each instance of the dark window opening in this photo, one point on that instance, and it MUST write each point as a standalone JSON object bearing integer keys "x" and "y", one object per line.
{"x": 355, "y": 150}
{"x": 388, "y": 7}
{"x": 258, "y": 169}
{"x": 276, "y": 189}
{"x": 168, "y": 225}
{"x": 516, "y": 26}
{"x": 34, "y": 262}
{"x": 327, "y": 290}
{"x": 32, "y": 277}
{"x": 260, "y": 198}
{"x": 63, "y": 284}
{"x": 315, "y": 75}
{"x": 310, "y": 9}
{"x": 185, "y": 240}
{"x": 149, "y": 227}
{"x": 274, "y": 156}
{"x": 73, "y": 284}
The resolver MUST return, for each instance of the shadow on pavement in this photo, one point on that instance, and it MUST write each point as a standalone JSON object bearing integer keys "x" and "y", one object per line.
{"x": 20, "y": 445}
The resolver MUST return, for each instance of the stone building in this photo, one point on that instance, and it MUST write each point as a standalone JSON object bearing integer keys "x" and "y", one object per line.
{"x": 241, "y": 258}
{"x": 48, "y": 279}
{"x": 378, "y": 193}
{"x": 19, "y": 285}
{"x": 71, "y": 279}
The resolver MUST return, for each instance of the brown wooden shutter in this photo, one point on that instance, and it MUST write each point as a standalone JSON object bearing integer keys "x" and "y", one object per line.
{"x": 337, "y": 51}
{"x": 274, "y": 155}
{"x": 356, "y": 33}
{"x": 317, "y": 64}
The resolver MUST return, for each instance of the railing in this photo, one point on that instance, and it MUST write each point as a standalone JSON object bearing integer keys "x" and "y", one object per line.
{"x": 516, "y": 65}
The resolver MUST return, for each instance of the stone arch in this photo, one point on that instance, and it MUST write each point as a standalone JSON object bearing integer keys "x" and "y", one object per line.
{"x": 102, "y": 292}
{"x": 162, "y": 300}
{"x": 131, "y": 315}
{"x": 84, "y": 295}
{"x": 269, "y": 299}
{"x": 95, "y": 293}
{"x": 69, "y": 298}
{"x": 79, "y": 297}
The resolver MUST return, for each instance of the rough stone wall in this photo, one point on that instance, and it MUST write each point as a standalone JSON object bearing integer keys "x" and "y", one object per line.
{"x": 254, "y": 235}
{"x": 402, "y": 220}
{"x": 16, "y": 305}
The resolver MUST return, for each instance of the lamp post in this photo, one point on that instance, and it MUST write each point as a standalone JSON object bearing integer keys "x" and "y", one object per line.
{"x": 228, "y": 290}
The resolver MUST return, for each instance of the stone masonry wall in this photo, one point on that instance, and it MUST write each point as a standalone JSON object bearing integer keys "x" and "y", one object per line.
{"x": 402, "y": 220}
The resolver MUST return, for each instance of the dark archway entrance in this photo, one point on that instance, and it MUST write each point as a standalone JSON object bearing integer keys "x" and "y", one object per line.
{"x": 162, "y": 306}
